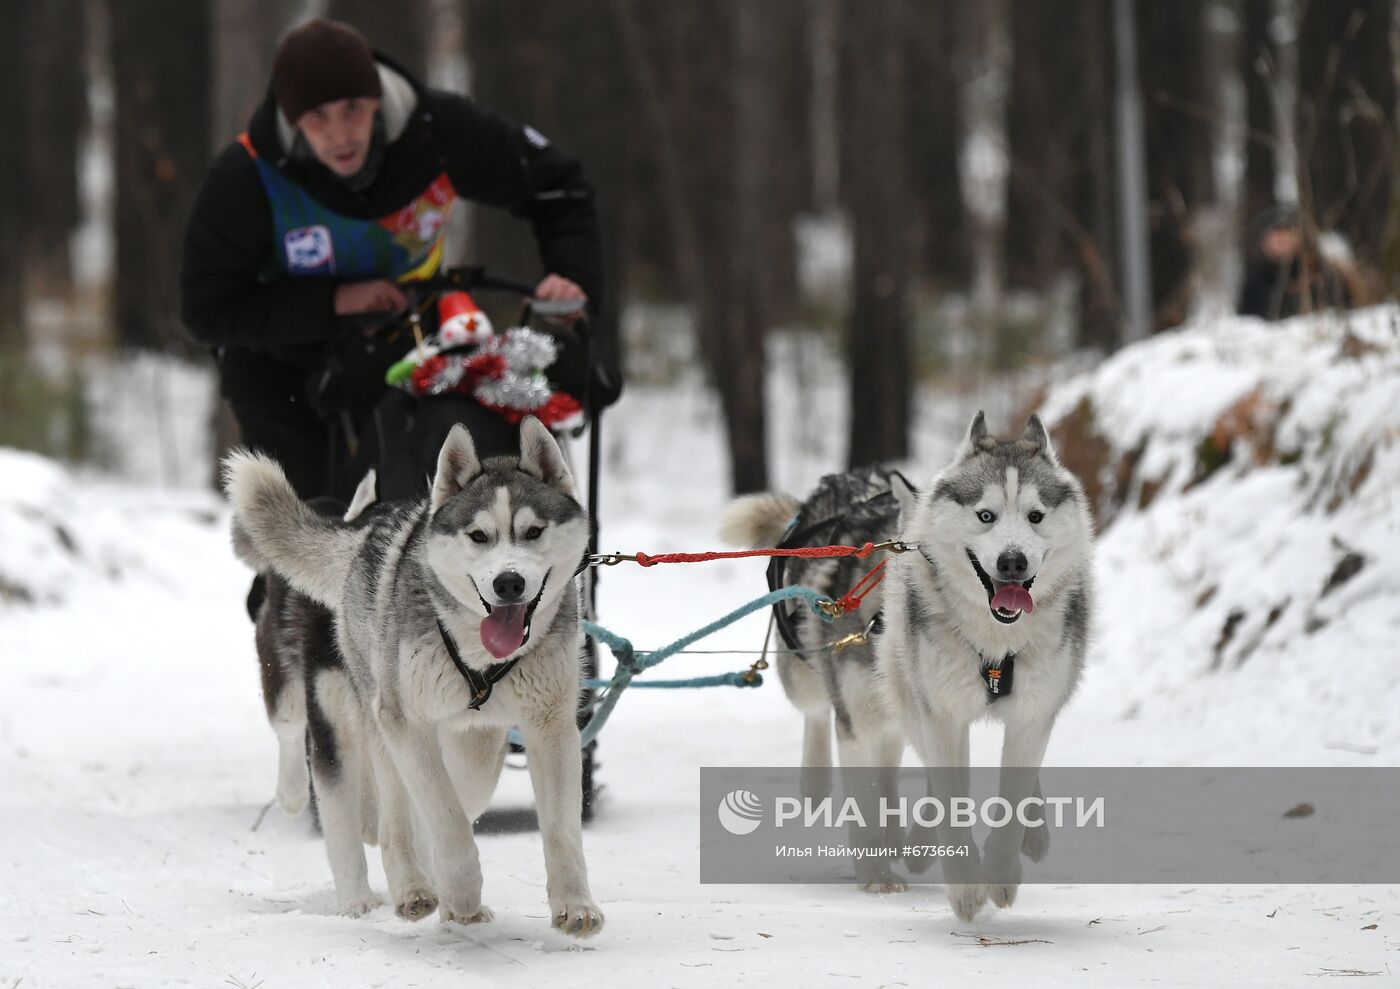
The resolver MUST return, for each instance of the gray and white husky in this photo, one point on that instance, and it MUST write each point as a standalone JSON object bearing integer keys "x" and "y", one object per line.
{"x": 484, "y": 566}
{"x": 987, "y": 618}
{"x": 303, "y": 671}
{"x": 304, "y": 683}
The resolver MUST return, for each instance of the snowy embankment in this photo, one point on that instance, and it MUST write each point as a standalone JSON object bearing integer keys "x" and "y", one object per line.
{"x": 1249, "y": 570}
{"x": 135, "y": 754}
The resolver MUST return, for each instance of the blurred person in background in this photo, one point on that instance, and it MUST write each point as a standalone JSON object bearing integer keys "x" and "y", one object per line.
{"x": 1290, "y": 274}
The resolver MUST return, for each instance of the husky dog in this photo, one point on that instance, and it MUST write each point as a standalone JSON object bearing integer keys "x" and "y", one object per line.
{"x": 458, "y": 617}
{"x": 303, "y": 679}
{"x": 988, "y": 617}
{"x": 824, "y": 684}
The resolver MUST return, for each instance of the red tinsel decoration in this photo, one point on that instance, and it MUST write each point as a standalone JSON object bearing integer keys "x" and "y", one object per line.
{"x": 426, "y": 373}
{"x": 484, "y": 366}
{"x": 557, "y": 411}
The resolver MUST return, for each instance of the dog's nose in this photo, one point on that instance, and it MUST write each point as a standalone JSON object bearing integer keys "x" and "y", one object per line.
{"x": 1011, "y": 565}
{"x": 509, "y": 586}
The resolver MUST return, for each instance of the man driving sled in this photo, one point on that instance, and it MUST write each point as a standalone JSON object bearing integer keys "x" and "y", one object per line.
{"x": 337, "y": 195}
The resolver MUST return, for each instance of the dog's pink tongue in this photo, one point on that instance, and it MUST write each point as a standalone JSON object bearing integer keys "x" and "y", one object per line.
{"x": 1012, "y": 597}
{"x": 503, "y": 631}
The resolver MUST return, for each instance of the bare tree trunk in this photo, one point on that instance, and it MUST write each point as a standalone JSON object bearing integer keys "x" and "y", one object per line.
{"x": 1103, "y": 316}
{"x": 705, "y": 99}
{"x": 599, "y": 109}
{"x": 55, "y": 103}
{"x": 1283, "y": 31}
{"x": 246, "y": 33}
{"x": 1132, "y": 180}
{"x": 931, "y": 135}
{"x": 399, "y": 29}
{"x": 1216, "y": 227}
{"x": 691, "y": 122}
{"x": 13, "y": 212}
{"x": 665, "y": 139}
{"x": 160, "y": 74}
{"x": 823, "y": 108}
{"x": 983, "y": 159}
{"x": 1178, "y": 137}
{"x": 786, "y": 149}
{"x": 876, "y": 185}
{"x": 740, "y": 373}
{"x": 1260, "y": 150}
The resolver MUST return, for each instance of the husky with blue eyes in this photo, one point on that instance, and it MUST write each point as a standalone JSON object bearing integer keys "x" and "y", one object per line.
{"x": 458, "y": 617}
{"x": 986, "y": 616}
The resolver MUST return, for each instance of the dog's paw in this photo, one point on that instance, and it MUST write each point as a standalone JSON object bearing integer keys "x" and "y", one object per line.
{"x": 883, "y": 886}
{"x": 966, "y": 899}
{"x": 875, "y": 876}
{"x": 292, "y": 796}
{"x": 579, "y": 918}
{"x": 359, "y": 904}
{"x": 1003, "y": 894}
{"x": 1035, "y": 842}
{"x": 416, "y": 903}
{"x": 481, "y": 915}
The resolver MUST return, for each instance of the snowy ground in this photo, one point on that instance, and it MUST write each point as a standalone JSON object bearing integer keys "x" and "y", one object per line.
{"x": 135, "y": 756}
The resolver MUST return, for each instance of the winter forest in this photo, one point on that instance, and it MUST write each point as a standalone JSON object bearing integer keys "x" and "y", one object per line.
{"x": 829, "y": 233}
{"x": 940, "y": 189}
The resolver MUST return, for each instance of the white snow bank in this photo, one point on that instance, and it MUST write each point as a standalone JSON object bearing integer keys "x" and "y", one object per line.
{"x": 64, "y": 531}
{"x": 1254, "y": 603}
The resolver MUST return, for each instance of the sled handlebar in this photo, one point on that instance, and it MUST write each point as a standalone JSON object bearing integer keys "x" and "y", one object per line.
{"x": 469, "y": 278}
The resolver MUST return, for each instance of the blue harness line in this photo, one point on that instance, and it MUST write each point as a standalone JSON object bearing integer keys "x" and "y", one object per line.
{"x": 630, "y": 662}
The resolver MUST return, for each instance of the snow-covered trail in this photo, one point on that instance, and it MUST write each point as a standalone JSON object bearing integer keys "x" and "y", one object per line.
{"x": 134, "y": 759}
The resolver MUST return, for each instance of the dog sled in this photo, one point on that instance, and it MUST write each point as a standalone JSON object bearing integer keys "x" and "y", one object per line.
{"x": 454, "y": 368}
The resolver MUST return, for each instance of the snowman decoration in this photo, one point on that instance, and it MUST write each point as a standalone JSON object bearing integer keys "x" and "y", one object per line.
{"x": 505, "y": 373}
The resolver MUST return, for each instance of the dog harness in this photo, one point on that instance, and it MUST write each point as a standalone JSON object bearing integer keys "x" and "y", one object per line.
{"x": 479, "y": 684}
{"x": 798, "y": 535}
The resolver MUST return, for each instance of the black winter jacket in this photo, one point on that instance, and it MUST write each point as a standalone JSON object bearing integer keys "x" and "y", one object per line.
{"x": 231, "y": 297}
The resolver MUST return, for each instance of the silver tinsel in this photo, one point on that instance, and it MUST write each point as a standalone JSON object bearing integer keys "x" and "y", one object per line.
{"x": 448, "y": 377}
{"x": 524, "y": 349}
{"x": 515, "y": 391}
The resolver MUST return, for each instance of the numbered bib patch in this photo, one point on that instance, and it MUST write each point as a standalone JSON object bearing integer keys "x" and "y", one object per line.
{"x": 309, "y": 248}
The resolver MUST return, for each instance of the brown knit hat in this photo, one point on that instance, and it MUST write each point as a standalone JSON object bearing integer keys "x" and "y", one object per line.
{"x": 319, "y": 62}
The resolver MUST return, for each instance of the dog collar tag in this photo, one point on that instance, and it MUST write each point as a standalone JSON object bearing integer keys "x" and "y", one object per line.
{"x": 999, "y": 679}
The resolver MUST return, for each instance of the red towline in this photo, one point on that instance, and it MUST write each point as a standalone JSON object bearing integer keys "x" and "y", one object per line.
{"x": 849, "y": 602}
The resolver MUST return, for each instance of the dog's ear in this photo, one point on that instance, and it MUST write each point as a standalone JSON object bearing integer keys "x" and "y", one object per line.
{"x": 905, "y": 494}
{"x": 457, "y": 465}
{"x": 976, "y": 440}
{"x": 1036, "y": 440}
{"x": 540, "y": 455}
{"x": 365, "y": 495}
